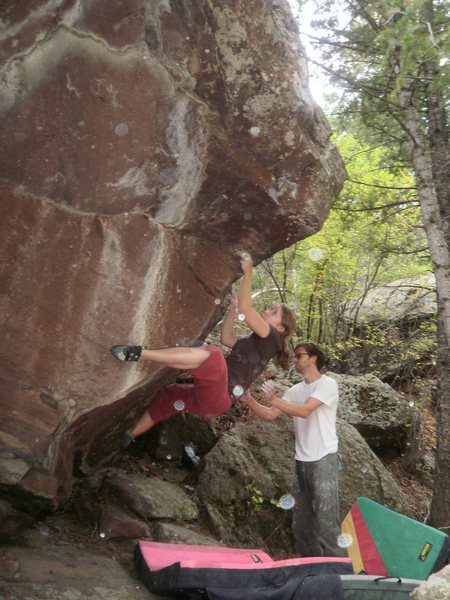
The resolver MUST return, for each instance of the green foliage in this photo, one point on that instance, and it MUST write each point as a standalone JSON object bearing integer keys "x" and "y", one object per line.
{"x": 256, "y": 500}
{"x": 391, "y": 59}
{"x": 385, "y": 56}
{"x": 255, "y": 497}
{"x": 376, "y": 53}
{"x": 372, "y": 236}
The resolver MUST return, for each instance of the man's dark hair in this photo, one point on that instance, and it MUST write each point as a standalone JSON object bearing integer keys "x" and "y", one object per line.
{"x": 314, "y": 350}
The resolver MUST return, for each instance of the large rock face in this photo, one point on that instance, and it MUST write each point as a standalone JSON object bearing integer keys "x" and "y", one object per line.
{"x": 143, "y": 144}
{"x": 251, "y": 467}
{"x": 378, "y": 412}
{"x": 404, "y": 300}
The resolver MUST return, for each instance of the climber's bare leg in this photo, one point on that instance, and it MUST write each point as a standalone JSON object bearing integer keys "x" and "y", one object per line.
{"x": 144, "y": 424}
{"x": 177, "y": 358}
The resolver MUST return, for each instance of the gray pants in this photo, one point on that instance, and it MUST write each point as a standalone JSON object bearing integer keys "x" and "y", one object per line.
{"x": 315, "y": 516}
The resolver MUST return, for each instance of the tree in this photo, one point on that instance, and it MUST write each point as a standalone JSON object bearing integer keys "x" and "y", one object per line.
{"x": 373, "y": 236}
{"x": 391, "y": 58}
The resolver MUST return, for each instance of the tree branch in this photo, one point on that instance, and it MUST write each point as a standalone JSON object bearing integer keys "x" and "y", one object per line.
{"x": 371, "y": 208}
{"x": 383, "y": 187}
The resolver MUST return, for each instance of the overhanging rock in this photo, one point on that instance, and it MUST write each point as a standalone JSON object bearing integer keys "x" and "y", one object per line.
{"x": 143, "y": 144}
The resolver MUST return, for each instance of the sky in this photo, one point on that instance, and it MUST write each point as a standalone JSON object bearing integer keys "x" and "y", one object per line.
{"x": 318, "y": 83}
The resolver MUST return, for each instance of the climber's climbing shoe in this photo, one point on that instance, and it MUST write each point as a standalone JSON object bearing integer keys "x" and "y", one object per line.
{"x": 126, "y": 353}
{"x": 125, "y": 439}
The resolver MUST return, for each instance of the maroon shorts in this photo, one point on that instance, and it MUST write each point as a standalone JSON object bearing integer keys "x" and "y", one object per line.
{"x": 207, "y": 397}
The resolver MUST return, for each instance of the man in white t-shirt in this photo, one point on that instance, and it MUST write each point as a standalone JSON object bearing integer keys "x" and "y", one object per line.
{"x": 313, "y": 404}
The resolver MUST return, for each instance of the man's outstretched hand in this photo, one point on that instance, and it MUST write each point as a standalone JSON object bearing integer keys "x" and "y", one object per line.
{"x": 269, "y": 389}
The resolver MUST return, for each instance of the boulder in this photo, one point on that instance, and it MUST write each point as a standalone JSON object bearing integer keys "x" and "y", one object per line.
{"x": 363, "y": 474}
{"x": 408, "y": 299}
{"x": 242, "y": 479}
{"x": 232, "y": 499}
{"x": 117, "y": 524}
{"x": 251, "y": 467}
{"x": 378, "y": 412}
{"x": 176, "y": 534}
{"x": 50, "y": 572}
{"x": 437, "y": 587}
{"x": 144, "y": 144}
{"x": 149, "y": 497}
{"x": 12, "y": 521}
{"x": 383, "y": 416}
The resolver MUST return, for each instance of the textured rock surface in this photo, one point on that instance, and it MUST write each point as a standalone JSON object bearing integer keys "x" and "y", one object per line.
{"x": 363, "y": 474}
{"x": 232, "y": 490}
{"x": 116, "y": 524}
{"x": 12, "y": 521}
{"x": 405, "y": 299}
{"x": 255, "y": 462}
{"x": 437, "y": 587}
{"x": 50, "y": 572}
{"x": 382, "y": 415}
{"x": 143, "y": 144}
{"x": 151, "y": 498}
{"x": 247, "y": 471}
{"x": 377, "y": 411}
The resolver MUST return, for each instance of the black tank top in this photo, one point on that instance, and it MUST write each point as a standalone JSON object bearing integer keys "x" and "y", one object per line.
{"x": 249, "y": 357}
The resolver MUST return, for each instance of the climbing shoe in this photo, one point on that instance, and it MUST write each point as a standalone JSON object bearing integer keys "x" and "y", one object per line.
{"x": 189, "y": 456}
{"x": 126, "y": 352}
{"x": 125, "y": 439}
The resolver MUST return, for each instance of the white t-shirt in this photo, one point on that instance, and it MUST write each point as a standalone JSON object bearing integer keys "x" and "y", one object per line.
{"x": 315, "y": 436}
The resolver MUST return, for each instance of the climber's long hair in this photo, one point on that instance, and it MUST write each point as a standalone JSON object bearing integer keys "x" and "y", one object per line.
{"x": 283, "y": 358}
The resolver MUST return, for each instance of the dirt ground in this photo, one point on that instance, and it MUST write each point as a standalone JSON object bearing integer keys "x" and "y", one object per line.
{"x": 408, "y": 470}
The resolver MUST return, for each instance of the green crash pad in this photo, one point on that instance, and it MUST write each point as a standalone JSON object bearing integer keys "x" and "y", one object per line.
{"x": 384, "y": 542}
